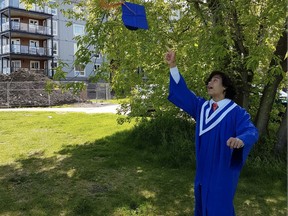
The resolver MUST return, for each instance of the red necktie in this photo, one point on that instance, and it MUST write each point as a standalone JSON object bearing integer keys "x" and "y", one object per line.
{"x": 214, "y": 106}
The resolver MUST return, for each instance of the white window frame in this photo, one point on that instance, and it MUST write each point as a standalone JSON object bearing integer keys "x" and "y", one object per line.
{"x": 75, "y": 48}
{"x": 96, "y": 66}
{"x": 34, "y": 62}
{"x": 17, "y": 62}
{"x": 33, "y": 26}
{"x": 50, "y": 66}
{"x": 55, "y": 62}
{"x": 78, "y": 26}
{"x": 53, "y": 10}
{"x": 55, "y": 27}
{"x": 17, "y": 43}
{"x": 49, "y": 46}
{"x": 34, "y": 42}
{"x": 55, "y": 45}
{"x": 15, "y": 20}
{"x": 33, "y": 46}
{"x": 78, "y": 72}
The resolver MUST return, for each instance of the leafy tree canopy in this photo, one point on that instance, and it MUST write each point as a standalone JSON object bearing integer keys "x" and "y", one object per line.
{"x": 237, "y": 36}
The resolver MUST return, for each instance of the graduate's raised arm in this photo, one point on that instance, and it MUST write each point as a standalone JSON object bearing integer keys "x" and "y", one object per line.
{"x": 179, "y": 94}
{"x": 170, "y": 58}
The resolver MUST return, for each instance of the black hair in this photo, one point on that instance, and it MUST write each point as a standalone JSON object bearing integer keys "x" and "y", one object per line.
{"x": 230, "y": 91}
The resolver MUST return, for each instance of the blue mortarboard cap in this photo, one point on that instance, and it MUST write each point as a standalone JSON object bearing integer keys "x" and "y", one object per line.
{"x": 134, "y": 16}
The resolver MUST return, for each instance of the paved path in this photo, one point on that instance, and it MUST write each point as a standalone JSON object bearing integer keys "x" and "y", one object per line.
{"x": 106, "y": 108}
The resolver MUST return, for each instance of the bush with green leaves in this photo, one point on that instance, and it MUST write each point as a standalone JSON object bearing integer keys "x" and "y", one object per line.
{"x": 169, "y": 138}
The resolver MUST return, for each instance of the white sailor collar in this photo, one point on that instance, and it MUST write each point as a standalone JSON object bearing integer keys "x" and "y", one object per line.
{"x": 221, "y": 103}
{"x": 209, "y": 122}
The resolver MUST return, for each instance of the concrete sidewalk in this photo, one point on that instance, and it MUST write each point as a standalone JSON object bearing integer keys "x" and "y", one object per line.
{"x": 107, "y": 108}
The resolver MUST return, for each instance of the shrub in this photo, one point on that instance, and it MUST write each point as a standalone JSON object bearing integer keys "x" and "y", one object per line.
{"x": 167, "y": 139}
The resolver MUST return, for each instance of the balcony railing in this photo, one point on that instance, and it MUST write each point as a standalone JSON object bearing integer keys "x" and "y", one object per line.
{"x": 20, "y": 49}
{"x": 27, "y": 28}
{"x": 17, "y": 4}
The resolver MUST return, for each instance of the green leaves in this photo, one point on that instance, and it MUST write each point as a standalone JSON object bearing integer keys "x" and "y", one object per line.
{"x": 59, "y": 73}
{"x": 234, "y": 36}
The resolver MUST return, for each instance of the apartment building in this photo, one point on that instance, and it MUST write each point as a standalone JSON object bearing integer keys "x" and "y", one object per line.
{"x": 65, "y": 46}
{"x": 26, "y": 38}
{"x": 38, "y": 38}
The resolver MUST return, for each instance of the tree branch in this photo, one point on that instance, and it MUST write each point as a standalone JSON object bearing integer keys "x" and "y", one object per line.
{"x": 238, "y": 39}
{"x": 199, "y": 10}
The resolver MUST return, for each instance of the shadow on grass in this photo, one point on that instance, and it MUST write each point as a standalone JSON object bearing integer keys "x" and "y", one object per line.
{"x": 106, "y": 177}
{"x": 110, "y": 177}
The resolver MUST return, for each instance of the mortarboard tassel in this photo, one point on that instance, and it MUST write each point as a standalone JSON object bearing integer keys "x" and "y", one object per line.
{"x": 106, "y": 5}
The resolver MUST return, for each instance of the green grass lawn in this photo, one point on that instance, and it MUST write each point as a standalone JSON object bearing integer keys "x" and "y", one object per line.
{"x": 84, "y": 164}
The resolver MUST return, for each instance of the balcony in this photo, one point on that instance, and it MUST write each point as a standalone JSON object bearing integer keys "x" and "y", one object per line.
{"x": 30, "y": 50}
{"x": 26, "y": 28}
{"x": 17, "y": 4}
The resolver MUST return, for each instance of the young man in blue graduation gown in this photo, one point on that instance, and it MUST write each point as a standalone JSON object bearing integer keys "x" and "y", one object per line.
{"x": 224, "y": 138}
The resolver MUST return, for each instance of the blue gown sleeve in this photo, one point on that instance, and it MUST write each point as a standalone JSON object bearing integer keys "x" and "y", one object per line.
{"x": 248, "y": 133}
{"x": 182, "y": 97}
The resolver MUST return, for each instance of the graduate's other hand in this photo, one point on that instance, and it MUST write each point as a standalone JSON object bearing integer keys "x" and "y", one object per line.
{"x": 233, "y": 142}
{"x": 170, "y": 58}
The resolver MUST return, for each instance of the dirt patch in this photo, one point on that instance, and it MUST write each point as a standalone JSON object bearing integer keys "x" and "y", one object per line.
{"x": 27, "y": 89}
{"x": 21, "y": 76}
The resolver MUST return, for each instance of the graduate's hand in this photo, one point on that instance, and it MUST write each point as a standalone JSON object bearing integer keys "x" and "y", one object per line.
{"x": 233, "y": 142}
{"x": 170, "y": 58}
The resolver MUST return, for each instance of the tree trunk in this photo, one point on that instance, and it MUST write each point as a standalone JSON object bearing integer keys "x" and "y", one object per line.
{"x": 270, "y": 90}
{"x": 214, "y": 6}
{"x": 266, "y": 103}
{"x": 282, "y": 136}
{"x": 245, "y": 76}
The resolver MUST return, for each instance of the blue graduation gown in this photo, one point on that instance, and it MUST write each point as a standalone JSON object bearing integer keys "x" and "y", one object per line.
{"x": 217, "y": 166}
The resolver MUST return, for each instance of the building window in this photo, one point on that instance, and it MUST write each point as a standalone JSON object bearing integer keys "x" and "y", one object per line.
{"x": 97, "y": 55}
{"x": 34, "y": 65}
{"x": 34, "y": 45}
{"x": 75, "y": 48}
{"x": 15, "y": 45}
{"x": 51, "y": 65}
{"x": 54, "y": 64}
{"x": 79, "y": 70}
{"x": 15, "y": 23}
{"x": 15, "y": 65}
{"x": 96, "y": 67}
{"x": 78, "y": 30}
{"x": 53, "y": 9}
{"x": 3, "y": 4}
{"x": 55, "y": 48}
{"x": 175, "y": 15}
{"x": 77, "y": 9}
{"x": 33, "y": 25}
{"x": 55, "y": 27}
{"x": 13, "y": 3}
